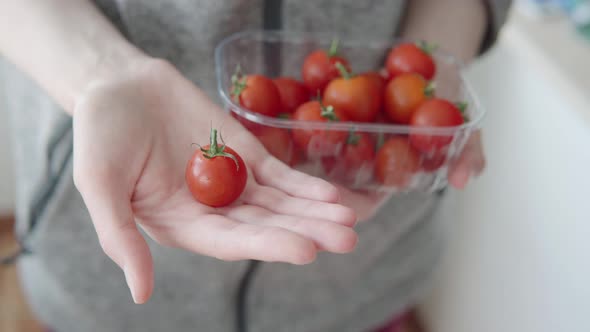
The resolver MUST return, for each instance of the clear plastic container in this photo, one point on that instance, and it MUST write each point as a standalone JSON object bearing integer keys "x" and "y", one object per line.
{"x": 278, "y": 53}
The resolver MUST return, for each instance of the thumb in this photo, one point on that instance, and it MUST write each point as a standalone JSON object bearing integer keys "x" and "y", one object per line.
{"x": 110, "y": 209}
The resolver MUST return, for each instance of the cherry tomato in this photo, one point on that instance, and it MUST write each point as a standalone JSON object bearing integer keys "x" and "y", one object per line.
{"x": 248, "y": 124}
{"x": 403, "y": 95}
{"x": 293, "y": 93}
{"x": 385, "y": 74}
{"x": 359, "y": 150}
{"x": 377, "y": 80}
{"x": 355, "y": 160}
{"x": 411, "y": 58}
{"x": 278, "y": 143}
{"x": 355, "y": 96}
{"x": 433, "y": 162}
{"x": 434, "y": 112}
{"x": 286, "y": 116}
{"x": 319, "y": 68}
{"x": 382, "y": 118}
{"x": 216, "y": 174}
{"x": 318, "y": 140}
{"x": 396, "y": 162}
{"x": 256, "y": 93}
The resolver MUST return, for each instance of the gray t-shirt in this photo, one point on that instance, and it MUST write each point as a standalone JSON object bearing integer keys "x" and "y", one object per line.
{"x": 73, "y": 286}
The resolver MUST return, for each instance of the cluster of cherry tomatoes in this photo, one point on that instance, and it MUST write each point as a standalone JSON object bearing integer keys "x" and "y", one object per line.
{"x": 400, "y": 93}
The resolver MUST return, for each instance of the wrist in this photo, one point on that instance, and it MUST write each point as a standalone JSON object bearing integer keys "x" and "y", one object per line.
{"x": 108, "y": 66}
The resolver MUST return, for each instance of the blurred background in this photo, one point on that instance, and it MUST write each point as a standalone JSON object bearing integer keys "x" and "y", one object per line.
{"x": 518, "y": 259}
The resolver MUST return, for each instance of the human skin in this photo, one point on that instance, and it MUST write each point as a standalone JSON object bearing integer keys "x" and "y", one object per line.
{"x": 134, "y": 119}
{"x": 133, "y": 115}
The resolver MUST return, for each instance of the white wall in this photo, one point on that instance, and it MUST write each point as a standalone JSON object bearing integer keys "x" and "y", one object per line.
{"x": 6, "y": 167}
{"x": 520, "y": 253}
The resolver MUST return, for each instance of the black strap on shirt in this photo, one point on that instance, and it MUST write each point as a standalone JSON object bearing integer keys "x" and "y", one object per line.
{"x": 272, "y": 20}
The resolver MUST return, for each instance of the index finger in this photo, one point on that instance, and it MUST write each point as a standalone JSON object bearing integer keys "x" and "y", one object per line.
{"x": 273, "y": 173}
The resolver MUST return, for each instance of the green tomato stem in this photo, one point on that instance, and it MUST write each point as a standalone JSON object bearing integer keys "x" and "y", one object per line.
{"x": 343, "y": 71}
{"x": 327, "y": 112}
{"x": 429, "y": 89}
{"x": 353, "y": 138}
{"x": 426, "y": 47}
{"x": 333, "y": 50}
{"x": 318, "y": 96}
{"x": 218, "y": 151}
{"x": 380, "y": 140}
{"x": 462, "y": 106}
{"x": 213, "y": 141}
{"x": 238, "y": 84}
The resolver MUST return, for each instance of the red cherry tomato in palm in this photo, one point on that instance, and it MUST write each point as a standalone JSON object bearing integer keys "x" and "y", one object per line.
{"x": 293, "y": 93}
{"x": 410, "y": 58}
{"x": 216, "y": 175}
{"x": 434, "y": 113}
{"x": 355, "y": 96}
{"x": 257, "y": 93}
{"x": 319, "y": 68}
{"x": 358, "y": 153}
{"x": 278, "y": 143}
{"x": 318, "y": 139}
{"x": 396, "y": 162}
{"x": 403, "y": 95}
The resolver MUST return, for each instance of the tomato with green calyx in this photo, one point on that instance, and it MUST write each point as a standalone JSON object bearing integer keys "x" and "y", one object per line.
{"x": 216, "y": 175}
{"x": 411, "y": 58}
{"x": 359, "y": 150}
{"x": 404, "y": 94}
{"x": 256, "y": 93}
{"x": 355, "y": 96}
{"x": 434, "y": 112}
{"x": 396, "y": 162}
{"x": 323, "y": 140}
{"x": 319, "y": 68}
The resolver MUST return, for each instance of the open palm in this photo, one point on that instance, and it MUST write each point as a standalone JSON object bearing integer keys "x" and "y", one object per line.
{"x": 132, "y": 139}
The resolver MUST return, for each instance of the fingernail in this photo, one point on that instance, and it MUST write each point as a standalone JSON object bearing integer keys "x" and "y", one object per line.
{"x": 130, "y": 283}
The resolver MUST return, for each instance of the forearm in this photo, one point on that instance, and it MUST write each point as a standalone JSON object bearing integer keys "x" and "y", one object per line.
{"x": 62, "y": 44}
{"x": 458, "y": 26}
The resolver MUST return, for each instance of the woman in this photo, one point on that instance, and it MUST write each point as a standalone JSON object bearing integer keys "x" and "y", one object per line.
{"x": 123, "y": 86}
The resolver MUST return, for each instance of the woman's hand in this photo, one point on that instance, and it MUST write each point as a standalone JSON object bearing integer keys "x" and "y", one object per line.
{"x": 471, "y": 162}
{"x": 132, "y": 140}
{"x": 134, "y": 124}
